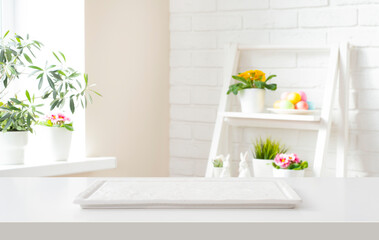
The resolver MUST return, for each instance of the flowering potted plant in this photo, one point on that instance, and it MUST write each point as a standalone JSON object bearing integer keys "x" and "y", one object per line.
{"x": 57, "y": 136}
{"x": 288, "y": 165}
{"x": 264, "y": 152}
{"x": 218, "y": 164}
{"x": 58, "y": 86}
{"x": 251, "y": 88}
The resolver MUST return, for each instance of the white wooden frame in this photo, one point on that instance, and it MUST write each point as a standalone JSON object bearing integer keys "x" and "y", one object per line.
{"x": 338, "y": 61}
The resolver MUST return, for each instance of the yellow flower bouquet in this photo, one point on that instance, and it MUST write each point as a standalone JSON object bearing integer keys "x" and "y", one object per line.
{"x": 251, "y": 79}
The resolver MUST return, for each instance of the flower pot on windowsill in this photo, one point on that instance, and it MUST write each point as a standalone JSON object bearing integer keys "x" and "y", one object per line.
{"x": 13, "y": 147}
{"x": 262, "y": 167}
{"x": 61, "y": 144}
{"x": 285, "y": 173}
{"x": 252, "y": 100}
{"x": 57, "y": 140}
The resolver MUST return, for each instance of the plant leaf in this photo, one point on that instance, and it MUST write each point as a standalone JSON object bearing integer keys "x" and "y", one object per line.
{"x": 28, "y": 58}
{"x": 28, "y": 96}
{"x": 57, "y": 57}
{"x": 72, "y": 105}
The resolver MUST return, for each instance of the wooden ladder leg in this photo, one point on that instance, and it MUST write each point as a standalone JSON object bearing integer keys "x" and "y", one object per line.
{"x": 343, "y": 114}
{"x": 216, "y": 142}
{"x": 326, "y": 113}
{"x": 231, "y": 64}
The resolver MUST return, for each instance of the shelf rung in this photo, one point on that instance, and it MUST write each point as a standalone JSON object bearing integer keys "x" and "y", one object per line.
{"x": 270, "y": 123}
{"x": 285, "y": 48}
{"x": 272, "y": 116}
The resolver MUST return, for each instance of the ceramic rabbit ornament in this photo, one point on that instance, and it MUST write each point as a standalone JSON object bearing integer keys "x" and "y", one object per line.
{"x": 226, "y": 169}
{"x": 244, "y": 171}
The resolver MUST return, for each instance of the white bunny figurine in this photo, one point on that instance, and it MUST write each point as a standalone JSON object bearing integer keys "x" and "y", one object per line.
{"x": 226, "y": 169}
{"x": 244, "y": 167}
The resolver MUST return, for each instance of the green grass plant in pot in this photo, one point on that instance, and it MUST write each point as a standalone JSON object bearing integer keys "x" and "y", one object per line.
{"x": 264, "y": 152}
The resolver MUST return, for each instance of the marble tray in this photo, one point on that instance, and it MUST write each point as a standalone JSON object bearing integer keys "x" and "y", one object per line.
{"x": 188, "y": 193}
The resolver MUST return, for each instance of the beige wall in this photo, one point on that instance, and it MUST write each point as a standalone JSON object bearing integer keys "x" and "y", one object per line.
{"x": 127, "y": 54}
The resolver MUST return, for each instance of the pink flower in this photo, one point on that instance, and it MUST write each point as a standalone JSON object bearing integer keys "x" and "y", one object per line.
{"x": 282, "y": 160}
{"x": 58, "y": 119}
{"x": 293, "y": 158}
{"x": 63, "y": 118}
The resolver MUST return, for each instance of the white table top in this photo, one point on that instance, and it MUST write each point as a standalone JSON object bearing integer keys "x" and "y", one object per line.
{"x": 324, "y": 199}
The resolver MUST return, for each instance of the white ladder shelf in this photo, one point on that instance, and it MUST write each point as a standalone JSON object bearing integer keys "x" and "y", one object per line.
{"x": 338, "y": 77}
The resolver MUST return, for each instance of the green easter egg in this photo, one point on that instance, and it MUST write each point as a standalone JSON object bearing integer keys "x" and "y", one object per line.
{"x": 285, "y": 104}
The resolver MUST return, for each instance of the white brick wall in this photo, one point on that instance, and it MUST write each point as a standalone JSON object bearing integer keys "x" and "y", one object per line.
{"x": 199, "y": 31}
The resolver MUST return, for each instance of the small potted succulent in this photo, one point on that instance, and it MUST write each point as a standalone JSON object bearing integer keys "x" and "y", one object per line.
{"x": 251, "y": 90}
{"x": 288, "y": 165}
{"x": 264, "y": 152}
{"x": 218, "y": 164}
{"x": 57, "y": 136}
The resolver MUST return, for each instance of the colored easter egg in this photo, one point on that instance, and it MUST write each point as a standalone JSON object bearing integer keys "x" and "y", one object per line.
{"x": 302, "y": 95}
{"x": 284, "y": 96}
{"x": 302, "y": 105}
{"x": 277, "y": 104}
{"x": 294, "y": 97}
{"x": 285, "y": 104}
{"x": 311, "y": 105}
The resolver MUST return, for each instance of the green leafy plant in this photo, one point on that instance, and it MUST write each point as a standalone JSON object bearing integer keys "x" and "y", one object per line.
{"x": 218, "y": 163}
{"x": 267, "y": 149}
{"x": 15, "y": 54}
{"x": 17, "y": 115}
{"x": 63, "y": 84}
{"x": 58, "y": 84}
{"x": 251, "y": 79}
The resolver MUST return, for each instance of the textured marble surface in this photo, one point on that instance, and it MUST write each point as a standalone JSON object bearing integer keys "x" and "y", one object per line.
{"x": 178, "y": 190}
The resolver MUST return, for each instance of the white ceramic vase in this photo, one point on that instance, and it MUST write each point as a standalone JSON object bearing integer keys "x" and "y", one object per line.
{"x": 217, "y": 172}
{"x": 57, "y": 140}
{"x": 12, "y": 147}
{"x": 262, "y": 167}
{"x": 252, "y": 100}
{"x": 285, "y": 173}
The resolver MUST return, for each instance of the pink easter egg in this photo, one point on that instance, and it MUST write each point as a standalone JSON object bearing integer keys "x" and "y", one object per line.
{"x": 284, "y": 96}
{"x": 302, "y": 105}
{"x": 302, "y": 95}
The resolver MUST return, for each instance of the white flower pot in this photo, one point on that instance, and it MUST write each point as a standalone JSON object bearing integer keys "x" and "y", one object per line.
{"x": 217, "y": 172}
{"x": 252, "y": 100}
{"x": 57, "y": 140}
{"x": 12, "y": 147}
{"x": 262, "y": 167}
{"x": 285, "y": 173}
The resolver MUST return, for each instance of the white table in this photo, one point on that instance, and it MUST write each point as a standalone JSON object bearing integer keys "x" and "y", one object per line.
{"x": 324, "y": 199}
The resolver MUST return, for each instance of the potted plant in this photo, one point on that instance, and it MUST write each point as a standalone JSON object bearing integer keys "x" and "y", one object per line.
{"x": 288, "y": 165}
{"x": 16, "y": 119}
{"x": 58, "y": 85}
{"x": 57, "y": 134}
{"x": 251, "y": 90}
{"x": 264, "y": 152}
{"x": 217, "y": 167}
{"x": 16, "y": 116}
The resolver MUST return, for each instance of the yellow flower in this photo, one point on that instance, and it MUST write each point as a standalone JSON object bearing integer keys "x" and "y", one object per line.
{"x": 254, "y": 75}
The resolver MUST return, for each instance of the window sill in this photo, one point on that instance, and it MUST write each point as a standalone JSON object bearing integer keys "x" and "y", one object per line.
{"x": 58, "y": 168}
